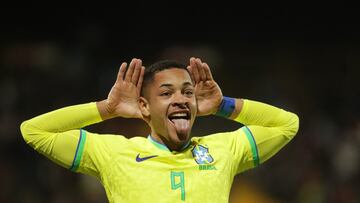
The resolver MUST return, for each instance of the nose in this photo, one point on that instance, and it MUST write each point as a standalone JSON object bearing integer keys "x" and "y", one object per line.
{"x": 180, "y": 100}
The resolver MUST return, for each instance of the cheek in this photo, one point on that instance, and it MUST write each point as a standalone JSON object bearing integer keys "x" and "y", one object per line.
{"x": 158, "y": 111}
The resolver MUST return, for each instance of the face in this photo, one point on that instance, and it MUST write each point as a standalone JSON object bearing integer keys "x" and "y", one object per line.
{"x": 170, "y": 107}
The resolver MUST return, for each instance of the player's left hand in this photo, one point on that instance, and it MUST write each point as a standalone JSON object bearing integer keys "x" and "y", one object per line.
{"x": 207, "y": 91}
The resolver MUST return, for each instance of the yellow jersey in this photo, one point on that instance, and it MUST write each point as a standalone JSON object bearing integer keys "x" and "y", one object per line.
{"x": 140, "y": 169}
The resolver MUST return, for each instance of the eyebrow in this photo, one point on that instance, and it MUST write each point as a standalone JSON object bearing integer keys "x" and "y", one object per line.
{"x": 170, "y": 85}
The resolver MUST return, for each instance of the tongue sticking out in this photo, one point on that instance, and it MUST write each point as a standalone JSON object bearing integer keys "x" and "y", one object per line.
{"x": 181, "y": 126}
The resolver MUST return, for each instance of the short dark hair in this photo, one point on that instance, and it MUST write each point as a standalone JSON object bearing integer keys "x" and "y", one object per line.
{"x": 156, "y": 67}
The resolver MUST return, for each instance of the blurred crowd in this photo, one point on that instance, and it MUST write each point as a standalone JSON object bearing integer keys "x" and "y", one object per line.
{"x": 314, "y": 77}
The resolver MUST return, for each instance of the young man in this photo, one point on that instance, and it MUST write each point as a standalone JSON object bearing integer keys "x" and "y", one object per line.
{"x": 169, "y": 165}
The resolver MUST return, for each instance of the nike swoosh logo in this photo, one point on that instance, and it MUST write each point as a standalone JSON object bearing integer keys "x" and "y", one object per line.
{"x": 140, "y": 159}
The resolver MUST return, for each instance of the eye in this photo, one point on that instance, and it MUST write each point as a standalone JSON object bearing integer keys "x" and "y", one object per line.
{"x": 165, "y": 94}
{"x": 189, "y": 92}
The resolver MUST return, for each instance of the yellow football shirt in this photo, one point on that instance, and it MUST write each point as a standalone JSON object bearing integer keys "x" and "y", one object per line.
{"x": 141, "y": 170}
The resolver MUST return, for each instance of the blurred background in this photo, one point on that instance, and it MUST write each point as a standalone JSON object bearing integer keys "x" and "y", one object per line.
{"x": 303, "y": 58}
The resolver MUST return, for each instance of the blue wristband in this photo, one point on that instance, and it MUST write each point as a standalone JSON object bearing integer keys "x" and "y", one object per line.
{"x": 226, "y": 107}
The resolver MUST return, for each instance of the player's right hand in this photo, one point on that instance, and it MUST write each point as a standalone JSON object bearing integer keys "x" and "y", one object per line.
{"x": 123, "y": 97}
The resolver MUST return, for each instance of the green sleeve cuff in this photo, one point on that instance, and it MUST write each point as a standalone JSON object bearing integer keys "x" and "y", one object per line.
{"x": 79, "y": 151}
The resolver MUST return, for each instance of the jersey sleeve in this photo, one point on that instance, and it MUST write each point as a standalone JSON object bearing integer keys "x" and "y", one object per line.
{"x": 266, "y": 130}
{"x": 94, "y": 152}
{"x": 59, "y": 136}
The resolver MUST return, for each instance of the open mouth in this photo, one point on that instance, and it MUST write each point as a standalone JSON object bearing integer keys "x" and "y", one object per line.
{"x": 179, "y": 115}
{"x": 180, "y": 120}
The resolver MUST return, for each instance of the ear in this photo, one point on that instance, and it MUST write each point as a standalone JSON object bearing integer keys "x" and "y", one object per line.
{"x": 144, "y": 108}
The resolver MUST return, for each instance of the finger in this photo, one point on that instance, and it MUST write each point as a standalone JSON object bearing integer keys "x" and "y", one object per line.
{"x": 189, "y": 68}
{"x": 130, "y": 70}
{"x": 135, "y": 76}
{"x": 141, "y": 78}
{"x": 121, "y": 72}
{"x": 195, "y": 70}
{"x": 207, "y": 71}
{"x": 201, "y": 70}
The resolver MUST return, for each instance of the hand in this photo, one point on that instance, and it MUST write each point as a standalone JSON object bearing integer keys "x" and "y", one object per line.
{"x": 123, "y": 97}
{"x": 207, "y": 91}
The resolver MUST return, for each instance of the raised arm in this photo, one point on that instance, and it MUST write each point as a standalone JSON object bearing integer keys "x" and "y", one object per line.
{"x": 57, "y": 134}
{"x": 123, "y": 98}
{"x": 267, "y": 128}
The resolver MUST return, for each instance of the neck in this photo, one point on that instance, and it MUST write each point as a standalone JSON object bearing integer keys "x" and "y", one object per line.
{"x": 170, "y": 145}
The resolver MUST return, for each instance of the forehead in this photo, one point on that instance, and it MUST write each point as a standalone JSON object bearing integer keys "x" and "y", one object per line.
{"x": 173, "y": 76}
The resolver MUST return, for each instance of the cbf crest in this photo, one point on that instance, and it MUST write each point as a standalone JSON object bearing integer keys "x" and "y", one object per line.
{"x": 201, "y": 155}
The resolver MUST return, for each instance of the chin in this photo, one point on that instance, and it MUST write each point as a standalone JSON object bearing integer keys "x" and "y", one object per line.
{"x": 175, "y": 138}
{"x": 179, "y": 140}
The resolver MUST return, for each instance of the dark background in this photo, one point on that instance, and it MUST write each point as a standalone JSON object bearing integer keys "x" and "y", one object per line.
{"x": 304, "y": 58}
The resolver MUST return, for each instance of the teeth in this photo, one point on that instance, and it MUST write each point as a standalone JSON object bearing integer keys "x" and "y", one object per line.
{"x": 179, "y": 114}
